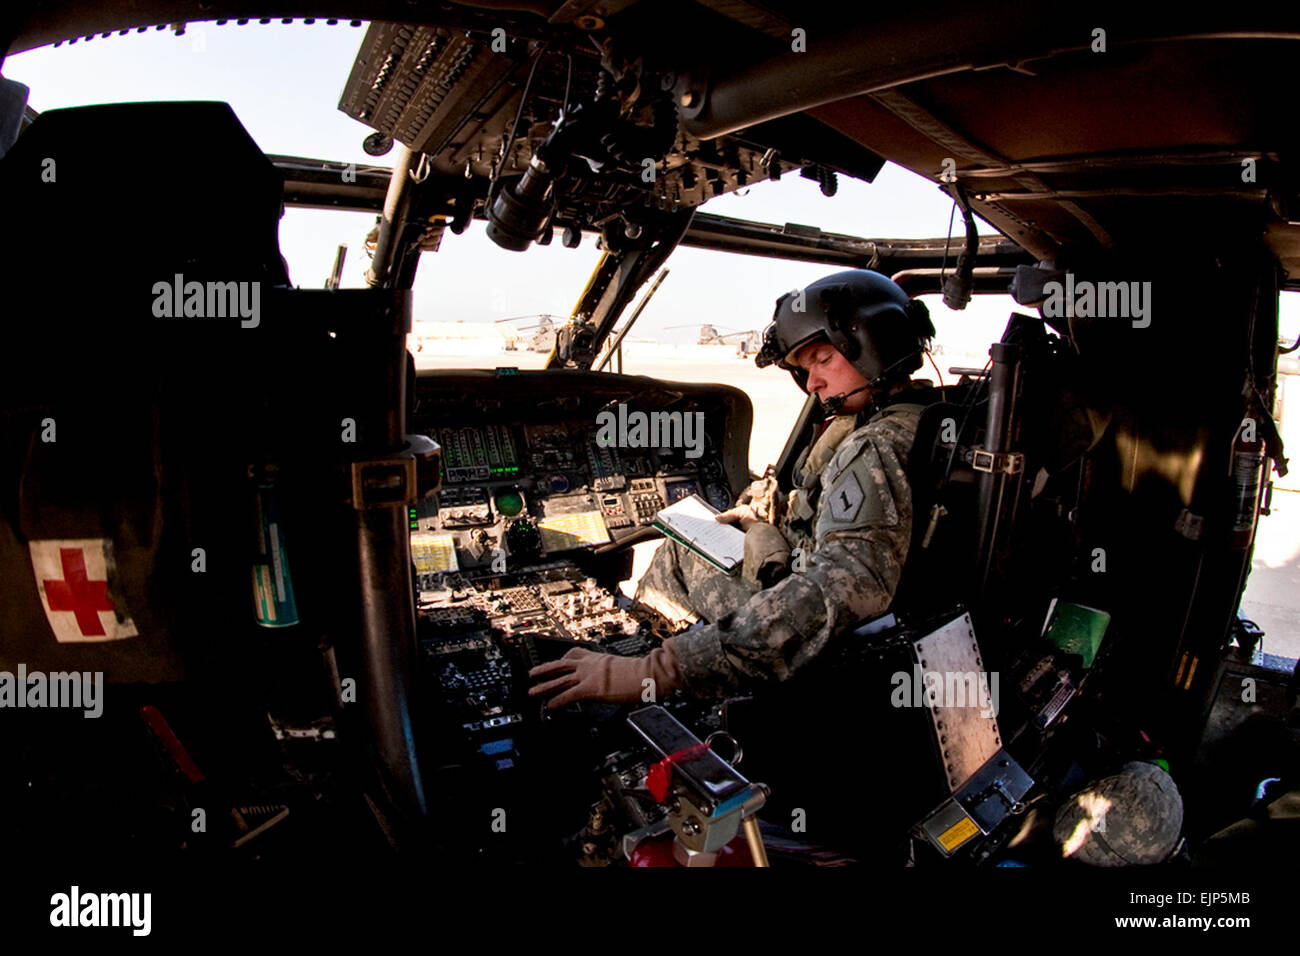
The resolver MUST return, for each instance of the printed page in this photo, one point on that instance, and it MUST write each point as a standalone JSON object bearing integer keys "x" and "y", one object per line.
{"x": 692, "y": 518}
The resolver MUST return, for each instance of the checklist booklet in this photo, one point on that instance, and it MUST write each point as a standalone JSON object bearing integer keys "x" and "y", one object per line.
{"x": 691, "y": 521}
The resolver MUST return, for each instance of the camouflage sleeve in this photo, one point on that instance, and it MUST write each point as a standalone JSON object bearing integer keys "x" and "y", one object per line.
{"x": 862, "y": 532}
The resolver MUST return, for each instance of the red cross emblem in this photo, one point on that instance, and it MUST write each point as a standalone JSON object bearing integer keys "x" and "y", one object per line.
{"x": 72, "y": 577}
{"x": 77, "y": 594}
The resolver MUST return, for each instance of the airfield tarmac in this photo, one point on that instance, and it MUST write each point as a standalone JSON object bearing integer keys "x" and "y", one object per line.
{"x": 1272, "y": 595}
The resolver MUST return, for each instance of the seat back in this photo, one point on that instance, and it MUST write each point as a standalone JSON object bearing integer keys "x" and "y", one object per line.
{"x": 938, "y": 572}
{"x": 108, "y": 411}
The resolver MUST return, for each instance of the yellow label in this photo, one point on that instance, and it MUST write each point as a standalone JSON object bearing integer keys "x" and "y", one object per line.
{"x": 561, "y": 532}
{"x": 957, "y": 834}
{"x": 433, "y": 552}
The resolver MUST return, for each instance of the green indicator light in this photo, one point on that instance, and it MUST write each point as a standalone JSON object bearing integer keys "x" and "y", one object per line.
{"x": 509, "y": 503}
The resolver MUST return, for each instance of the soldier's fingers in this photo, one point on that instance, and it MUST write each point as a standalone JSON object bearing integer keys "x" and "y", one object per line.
{"x": 551, "y": 686}
{"x": 562, "y": 666}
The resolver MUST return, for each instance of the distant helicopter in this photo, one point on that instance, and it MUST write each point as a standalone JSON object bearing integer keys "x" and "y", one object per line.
{"x": 543, "y": 330}
{"x": 748, "y": 344}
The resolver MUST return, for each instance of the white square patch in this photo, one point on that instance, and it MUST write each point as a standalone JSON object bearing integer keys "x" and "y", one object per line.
{"x": 72, "y": 578}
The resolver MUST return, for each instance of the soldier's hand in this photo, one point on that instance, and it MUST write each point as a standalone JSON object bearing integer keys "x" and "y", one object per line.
{"x": 742, "y": 515}
{"x": 583, "y": 675}
{"x": 764, "y": 497}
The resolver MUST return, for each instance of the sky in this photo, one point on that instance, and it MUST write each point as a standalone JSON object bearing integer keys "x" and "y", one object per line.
{"x": 284, "y": 82}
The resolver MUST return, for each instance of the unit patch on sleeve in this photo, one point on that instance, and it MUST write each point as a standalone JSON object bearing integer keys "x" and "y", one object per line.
{"x": 845, "y": 499}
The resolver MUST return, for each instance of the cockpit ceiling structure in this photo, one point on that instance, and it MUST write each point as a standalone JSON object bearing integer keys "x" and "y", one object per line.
{"x": 1078, "y": 135}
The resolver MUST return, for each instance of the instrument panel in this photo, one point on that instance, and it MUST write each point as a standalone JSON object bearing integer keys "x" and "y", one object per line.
{"x": 479, "y": 634}
{"x": 533, "y": 466}
{"x": 519, "y": 553}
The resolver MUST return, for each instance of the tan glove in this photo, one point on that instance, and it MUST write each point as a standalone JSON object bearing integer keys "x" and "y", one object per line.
{"x": 585, "y": 675}
{"x": 764, "y": 498}
{"x": 742, "y": 515}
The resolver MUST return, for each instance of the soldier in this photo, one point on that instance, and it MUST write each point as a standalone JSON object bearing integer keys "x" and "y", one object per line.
{"x": 818, "y": 561}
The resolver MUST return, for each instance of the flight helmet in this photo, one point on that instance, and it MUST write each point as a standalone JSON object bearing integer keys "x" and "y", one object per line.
{"x": 869, "y": 319}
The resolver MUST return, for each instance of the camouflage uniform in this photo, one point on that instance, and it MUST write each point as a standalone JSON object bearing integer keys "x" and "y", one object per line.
{"x": 851, "y": 514}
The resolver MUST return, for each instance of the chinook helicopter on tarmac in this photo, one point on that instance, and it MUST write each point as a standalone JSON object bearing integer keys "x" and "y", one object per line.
{"x": 543, "y": 329}
{"x": 312, "y": 582}
{"x": 748, "y": 341}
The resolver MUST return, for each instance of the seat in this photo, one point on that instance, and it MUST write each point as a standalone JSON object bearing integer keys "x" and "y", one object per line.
{"x": 95, "y": 390}
{"x": 127, "y": 433}
{"x": 938, "y": 572}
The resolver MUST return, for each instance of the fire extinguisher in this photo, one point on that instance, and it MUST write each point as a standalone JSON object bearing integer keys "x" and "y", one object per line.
{"x": 1247, "y": 477}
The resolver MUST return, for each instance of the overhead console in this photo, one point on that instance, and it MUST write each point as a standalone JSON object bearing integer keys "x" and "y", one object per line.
{"x": 540, "y": 464}
{"x": 476, "y": 102}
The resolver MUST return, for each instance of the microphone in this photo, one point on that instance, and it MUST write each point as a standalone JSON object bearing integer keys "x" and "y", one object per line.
{"x": 835, "y": 404}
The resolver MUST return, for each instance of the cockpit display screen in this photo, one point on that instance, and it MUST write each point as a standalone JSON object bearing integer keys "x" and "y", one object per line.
{"x": 677, "y": 490}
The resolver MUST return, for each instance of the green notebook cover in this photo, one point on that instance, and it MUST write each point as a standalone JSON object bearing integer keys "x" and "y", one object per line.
{"x": 1077, "y": 629}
